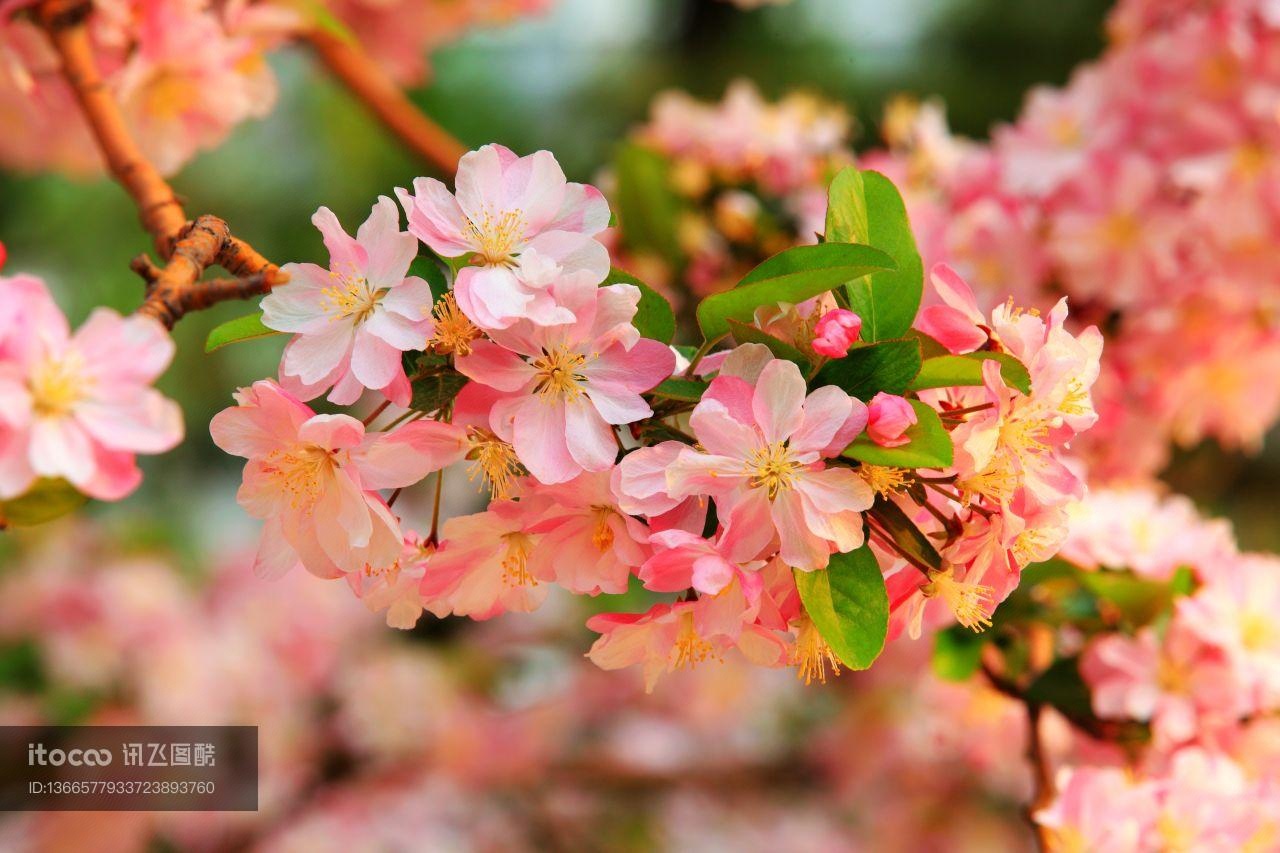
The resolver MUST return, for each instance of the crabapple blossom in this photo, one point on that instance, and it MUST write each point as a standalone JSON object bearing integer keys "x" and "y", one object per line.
{"x": 888, "y": 418}
{"x": 352, "y": 321}
{"x": 835, "y": 332}
{"x": 529, "y": 232}
{"x": 78, "y": 406}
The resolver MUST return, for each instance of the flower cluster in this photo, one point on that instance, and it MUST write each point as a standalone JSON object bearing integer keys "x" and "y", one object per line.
{"x": 76, "y": 408}
{"x": 747, "y": 178}
{"x": 745, "y": 480}
{"x": 1146, "y": 189}
{"x": 186, "y": 72}
{"x": 1199, "y": 679}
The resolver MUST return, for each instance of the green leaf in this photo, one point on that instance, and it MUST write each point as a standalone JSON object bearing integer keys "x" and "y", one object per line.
{"x": 328, "y": 22}
{"x": 688, "y": 390}
{"x": 865, "y": 207}
{"x": 244, "y": 328}
{"x": 1138, "y": 600}
{"x": 1062, "y": 687}
{"x": 791, "y": 276}
{"x": 428, "y": 268}
{"x": 433, "y": 392}
{"x": 746, "y": 334}
{"x": 648, "y": 208}
{"x": 928, "y": 445}
{"x": 949, "y": 371}
{"x": 905, "y": 534}
{"x": 46, "y": 500}
{"x": 865, "y": 371}
{"x": 957, "y": 653}
{"x": 849, "y": 606}
{"x": 654, "y": 317}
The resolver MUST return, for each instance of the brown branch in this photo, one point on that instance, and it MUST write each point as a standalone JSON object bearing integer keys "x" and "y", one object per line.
{"x": 371, "y": 85}
{"x": 1042, "y": 777}
{"x": 188, "y": 247}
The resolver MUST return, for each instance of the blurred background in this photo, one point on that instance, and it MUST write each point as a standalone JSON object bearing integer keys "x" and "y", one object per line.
{"x": 496, "y": 736}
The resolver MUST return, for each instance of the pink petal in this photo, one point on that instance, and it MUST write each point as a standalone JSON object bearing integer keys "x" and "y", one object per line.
{"x": 144, "y": 421}
{"x": 592, "y": 443}
{"x": 778, "y": 399}
{"x": 275, "y": 555}
{"x": 584, "y": 210}
{"x": 435, "y": 218}
{"x": 344, "y": 253}
{"x": 131, "y": 349}
{"x": 495, "y": 366}
{"x": 299, "y": 305}
{"x": 406, "y": 455}
{"x": 374, "y": 361}
{"x": 312, "y": 357}
{"x": 539, "y": 438}
{"x": 332, "y": 432}
{"x": 800, "y": 548}
{"x": 60, "y": 448}
{"x": 826, "y": 411}
{"x": 389, "y": 250}
{"x": 720, "y": 433}
{"x": 491, "y": 297}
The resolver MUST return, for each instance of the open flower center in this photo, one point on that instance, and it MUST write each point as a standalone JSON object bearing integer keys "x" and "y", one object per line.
{"x": 602, "y": 537}
{"x": 352, "y": 298}
{"x": 1257, "y": 631}
{"x": 515, "y": 565}
{"x": 496, "y": 238}
{"x": 883, "y": 479}
{"x": 812, "y": 655}
{"x": 690, "y": 649}
{"x": 170, "y": 93}
{"x": 492, "y": 460}
{"x": 557, "y": 373}
{"x": 453, "y": 332}
{"x": 968, "y": 601}
{"x": 299, "y": 471}
{"x": 57, "y": 384}
{"x": 772, "y": 468}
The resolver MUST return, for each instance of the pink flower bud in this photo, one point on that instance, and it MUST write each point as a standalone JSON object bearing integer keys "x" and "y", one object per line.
{"x": 836, "y": 332}
{"x": 888, "y": 417}
{"x": 4, "y": 254}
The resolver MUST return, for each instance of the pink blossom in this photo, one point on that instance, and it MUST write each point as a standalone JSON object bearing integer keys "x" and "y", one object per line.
{"x": 567, "y": 386}
{"x": 80, "y": 406}
{"x": 836, "y": 331}
{"x": 682, "y": 560}
{"x": 351, "y": 322}
{"x": 957, "y": 324}
{"x": 888, "y": 417}
{"x": 528, "y": 230}
{"x": 763, "y": 465}
{"x": 313, "y": 480}
{"x": 1100, "y": 808}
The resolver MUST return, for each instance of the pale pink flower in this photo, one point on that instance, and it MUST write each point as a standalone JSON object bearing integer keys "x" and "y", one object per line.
{"x": 481, "y": 568}
{"x": 763, "y": 465}
{"x": 1208, "y": 803}
{"x": 351, "y": 322}
{"x": 529, "y": 232}
{"x": 836, "y": 331}
{"x": 314, "y": 479}
{"x": 568, "y": 386}
{"x": 682, "y": 560}
{"x": 396, "y": 588}
{"x": 957, "y": 323}
{"x": 80, "y": 406}
{"x": 588, "y": 544}
{"x": 888, "y": 417}
{"x": 1100, "y": 808}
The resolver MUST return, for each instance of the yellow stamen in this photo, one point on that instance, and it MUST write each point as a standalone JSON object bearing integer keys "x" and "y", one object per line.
{"x": 772, "y": 468}
{"x": 351, "y": 298}
{"x": 170, "y": 93}
{"x": 1076, "y": 401}
{"x": 690, "y": 649}
{"x": 1013, "y": 312}
{"x": 885, "y": 480}
{"x": 1121, "y": 230}
{"x": 1024, "y": 433}
{"x": 494, "y": 461}
{"x": 997, "y": 483}
{"x": 56, "y": 385}
{"x": 1258, "y": 631}
{"x": 298, "y": 471}
{"x": 558, "y": 375}
{"x": 968, "y": 601}
{"x": 515, "y": 565}
{"x": 497, "y": 238}
{"x": 453, "y": 331}
{"x": 602, "y": 538}
{"x": 1029, "y": 546}
{"x": 812, "y": 655}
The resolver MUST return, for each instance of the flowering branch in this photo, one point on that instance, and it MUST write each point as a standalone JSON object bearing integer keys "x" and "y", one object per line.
{"x": 188, "y": 247}
{"x": 370, "y": 84}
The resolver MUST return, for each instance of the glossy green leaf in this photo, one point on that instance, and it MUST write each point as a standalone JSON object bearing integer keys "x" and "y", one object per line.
{"x": 791, "y": 276}
{"x": 865, "y": 207}
{"x": 928, "y": 445}
{"x": 432, "y": 270}
{"x": 957, "y": 653}
{"x": 865, "y": 371}
{"x": 905, "y": 534}
{"x": 432, "y": 392}
{"x": 654, "y": 317}
{"x": 849, "y": 606}
{"x": 46, "y": 500}
{"x": 245, "y": 328}
{"x": 688, "y": 390}
{"x": 949, "y": 371}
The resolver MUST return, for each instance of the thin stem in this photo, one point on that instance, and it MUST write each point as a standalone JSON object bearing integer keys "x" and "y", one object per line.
{"x": 1041, "y": 775}
{"x": 703, "y": 349}
{"x": 968, "y": 410}
{"x": 373, "y": 415}
{"x": 391, "y": 501}
{"x": 366, "y": 80}
{"x": 435, "y": 510}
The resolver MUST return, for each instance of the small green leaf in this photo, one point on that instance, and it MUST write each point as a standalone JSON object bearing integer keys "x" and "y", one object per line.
{"x": 865, "y": 207}
{"x": 1062, "y": 687}
{"x": 849, "y": 606}
{"x": 865, "y": 371}
{"x": 745, "y": 334}
{"x": 957, "y": 653}
{"x": 928, "y": 445}
{"x": 46, "y": 500}
{"x": 1139, "y": 600}
{"x": 648, "y": 208}
{"x": 791, "y": 276}
{"x": 428, "y": 268}
{"x": 688, "y": 390}
{"x": 949, "y": 371}
{"x": 437, "y": 390}
{"x": 905, "y": 534}
{"x": 654, "y": 317}
{"x": 244, "y": 328}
